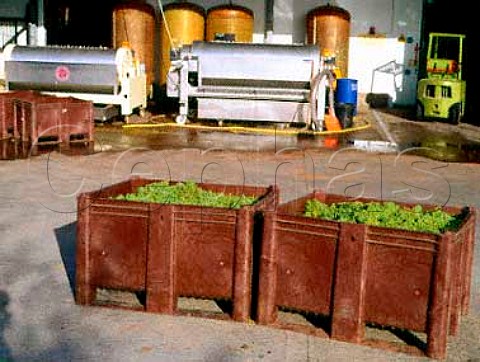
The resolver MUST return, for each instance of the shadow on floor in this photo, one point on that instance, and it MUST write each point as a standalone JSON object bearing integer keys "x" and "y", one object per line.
{"x": 66, "y": 240}
{"x": 407, "y": 113}
{"x": 5, "y": 354}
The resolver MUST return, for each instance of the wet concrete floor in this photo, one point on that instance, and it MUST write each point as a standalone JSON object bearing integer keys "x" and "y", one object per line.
{"x": 44, "y": 322}
{"x": 378, "y": 132}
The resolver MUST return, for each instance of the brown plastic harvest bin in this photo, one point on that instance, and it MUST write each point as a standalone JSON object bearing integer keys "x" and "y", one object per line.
{"x": 78, "y": 122}
{"x": 8, "y": 126}
{"x": 356, "y": 274}
{"x": 13, "y": 149}
{"x": 45, "y": 119}
{"x": 167, "y": 251}
{"x": 7, "y": 120}
{"x": 38, "y": 116}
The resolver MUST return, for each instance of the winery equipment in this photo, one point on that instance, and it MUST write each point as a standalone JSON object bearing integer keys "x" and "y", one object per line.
{"x": 107, "y": 77}
{"x": 182, "y": 23}
{"x": 329, "y": 26}
{"x": 133, "y": 23}
{"x": 246, "y": 81}
{"x": 229, "y": 23}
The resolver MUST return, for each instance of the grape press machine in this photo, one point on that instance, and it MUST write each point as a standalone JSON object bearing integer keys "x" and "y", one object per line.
{"x": 111, "y": 78}
{"x": 248, "y": 82}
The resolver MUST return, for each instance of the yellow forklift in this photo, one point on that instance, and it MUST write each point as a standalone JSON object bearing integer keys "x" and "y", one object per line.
{"x": 441, "y": 95}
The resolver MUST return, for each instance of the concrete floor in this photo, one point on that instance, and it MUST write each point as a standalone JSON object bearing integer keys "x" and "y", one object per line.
{"x": 39, "y": 320}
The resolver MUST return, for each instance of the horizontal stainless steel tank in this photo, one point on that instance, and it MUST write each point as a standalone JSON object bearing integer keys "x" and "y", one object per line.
{"x": 59, "y": 68}
{"x": 102, "y": 75}
{"x": 245, "y": 81}
{"x": 267, "y": 63}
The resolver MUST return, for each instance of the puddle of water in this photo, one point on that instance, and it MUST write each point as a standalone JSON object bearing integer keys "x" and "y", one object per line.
{"x": 15, "y": 150}
{"x": 441, "y": 150}
{"x": 468, "y": 152}
{"x": 442, "y": 146}
{"x": 437, "y": 141}
{"x": 177, "y": 138}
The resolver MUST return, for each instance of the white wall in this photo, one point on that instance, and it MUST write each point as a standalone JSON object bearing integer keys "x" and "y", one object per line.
{"x": 391, "y": 19}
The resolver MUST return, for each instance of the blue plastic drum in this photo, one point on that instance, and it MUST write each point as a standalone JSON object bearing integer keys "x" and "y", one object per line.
{"x": 347, "y": 92}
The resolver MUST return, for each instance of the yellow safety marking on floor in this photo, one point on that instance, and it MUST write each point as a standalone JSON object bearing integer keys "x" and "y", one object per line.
{"x": 242, "y": 129}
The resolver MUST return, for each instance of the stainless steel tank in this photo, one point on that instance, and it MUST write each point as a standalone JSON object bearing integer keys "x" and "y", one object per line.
{"x": 102, "y": 75}
{"x": 245, "y": 81}
{"x": 55, "y": 68}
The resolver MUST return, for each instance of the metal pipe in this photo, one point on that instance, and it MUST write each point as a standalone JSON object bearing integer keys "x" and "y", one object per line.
{"x": 40, "y": 13}
{"x": 269, "y": 5}
{"x": 316, "y": 123}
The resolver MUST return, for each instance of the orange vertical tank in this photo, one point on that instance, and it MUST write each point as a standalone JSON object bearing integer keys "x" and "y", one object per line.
{"x": 186, "y": 24}
{"x": 233, "y": 22}
{"x": 134, "y": 23}
{"x": 329, "y": 26}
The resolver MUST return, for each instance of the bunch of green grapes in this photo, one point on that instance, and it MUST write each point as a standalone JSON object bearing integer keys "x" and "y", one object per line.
{"x": 186, "y": 193}
{"x": 384, "y": 214}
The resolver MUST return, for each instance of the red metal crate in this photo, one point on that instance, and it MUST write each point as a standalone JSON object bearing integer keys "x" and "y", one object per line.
{"x": 167, "y": 251}
{"x": 356, "y": 274}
